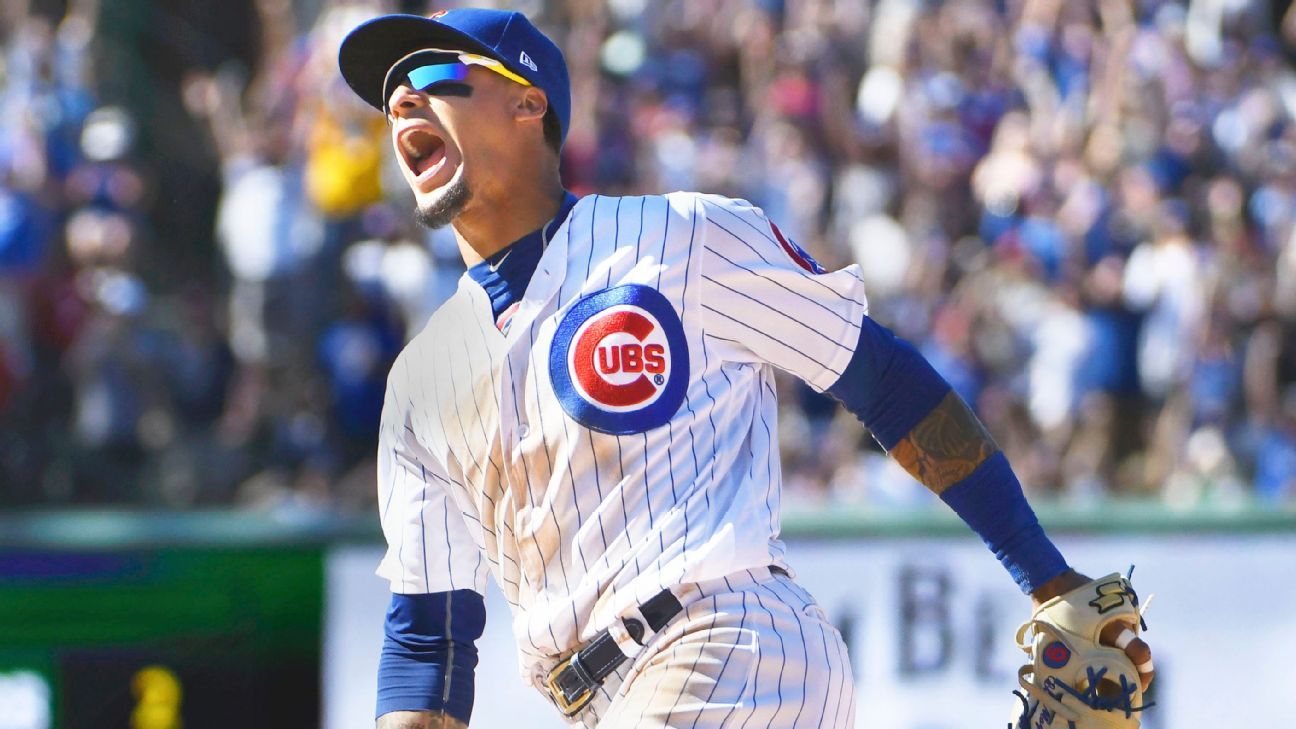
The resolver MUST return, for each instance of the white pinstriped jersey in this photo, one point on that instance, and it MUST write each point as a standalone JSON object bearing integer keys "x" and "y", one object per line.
{"x": 621, "y": 436}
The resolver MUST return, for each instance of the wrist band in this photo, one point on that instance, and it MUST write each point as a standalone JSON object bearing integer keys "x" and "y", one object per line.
{"x": 1144, "y": 667}
{"x": 1125, "y": 638}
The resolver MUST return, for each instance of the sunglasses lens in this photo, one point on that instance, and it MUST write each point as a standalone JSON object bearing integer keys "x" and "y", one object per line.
{"x": 425, "y": 77}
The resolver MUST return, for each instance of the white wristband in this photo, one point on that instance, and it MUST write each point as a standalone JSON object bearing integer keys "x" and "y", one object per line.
{"x": 1144, "y": 667}
{"x": 1125, "y": 638}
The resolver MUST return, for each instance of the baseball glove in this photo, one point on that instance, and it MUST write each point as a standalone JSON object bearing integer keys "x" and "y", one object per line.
{"x": 1072, "y": 681}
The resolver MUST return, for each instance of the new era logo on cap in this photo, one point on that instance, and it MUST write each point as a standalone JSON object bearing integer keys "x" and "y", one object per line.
{"x": 525, "y": 60}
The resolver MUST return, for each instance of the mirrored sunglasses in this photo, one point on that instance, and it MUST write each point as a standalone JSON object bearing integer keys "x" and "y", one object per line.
{"x": 425, "y": 69}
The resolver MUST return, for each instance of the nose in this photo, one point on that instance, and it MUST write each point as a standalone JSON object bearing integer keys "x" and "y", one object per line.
{"x": 404, "y": 100}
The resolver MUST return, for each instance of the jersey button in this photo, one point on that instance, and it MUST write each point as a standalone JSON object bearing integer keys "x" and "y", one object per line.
{"x": 523, "y": 430}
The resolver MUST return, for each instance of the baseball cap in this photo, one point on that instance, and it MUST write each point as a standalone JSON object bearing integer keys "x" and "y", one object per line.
{"x": 371, "y": 48}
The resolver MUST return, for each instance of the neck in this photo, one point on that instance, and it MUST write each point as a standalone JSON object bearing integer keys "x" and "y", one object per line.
{"x": 498, "y": 216}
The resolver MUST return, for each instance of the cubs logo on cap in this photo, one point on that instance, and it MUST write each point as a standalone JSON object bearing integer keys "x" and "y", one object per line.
{"x": 798, "y": 254}
{"x": 619, "y": 361}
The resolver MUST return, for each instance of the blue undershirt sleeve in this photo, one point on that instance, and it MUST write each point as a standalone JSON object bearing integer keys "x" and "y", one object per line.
{"x": 429, "y": 653}
{"x": 891, "y": 388}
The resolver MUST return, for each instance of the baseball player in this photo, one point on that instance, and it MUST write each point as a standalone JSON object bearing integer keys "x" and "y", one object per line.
{"x": 590, "y": 420}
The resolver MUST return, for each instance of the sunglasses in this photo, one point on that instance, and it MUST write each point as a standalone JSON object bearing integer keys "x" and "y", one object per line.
{"x": 424, "y": 69}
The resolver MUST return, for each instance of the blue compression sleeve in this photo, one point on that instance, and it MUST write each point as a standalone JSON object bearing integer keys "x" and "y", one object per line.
{"x": 891, "y": 388}
{"x": 888, "y": 385}
{"x": 429, "y": 654}
{"x": 991, "y": 502}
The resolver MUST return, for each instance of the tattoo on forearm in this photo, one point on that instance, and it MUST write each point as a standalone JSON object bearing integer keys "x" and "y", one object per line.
{"x": 946, "y": 446}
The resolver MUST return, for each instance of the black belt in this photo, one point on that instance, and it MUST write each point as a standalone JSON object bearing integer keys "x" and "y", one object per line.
{"x": 572, "y": 682}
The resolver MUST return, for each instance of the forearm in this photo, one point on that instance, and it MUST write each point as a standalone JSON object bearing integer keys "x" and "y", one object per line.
{"x": 946, "y": 446}
{"x": 933, "y": 434}
{"x": 419, "y": 720}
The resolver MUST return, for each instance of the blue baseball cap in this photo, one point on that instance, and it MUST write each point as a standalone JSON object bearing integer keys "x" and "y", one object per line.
{"x": 369, "y": 51}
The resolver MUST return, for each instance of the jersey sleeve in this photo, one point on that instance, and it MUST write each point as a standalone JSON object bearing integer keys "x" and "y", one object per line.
{"x": 764, "y": 299}
{"x": 429, "y": 545}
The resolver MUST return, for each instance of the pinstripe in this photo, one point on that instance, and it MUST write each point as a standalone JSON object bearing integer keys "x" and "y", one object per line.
{"x": 616, "y": 237}
{"x": 778, "y": 675}
{"x": 756, "y": 684}
{"x": 652, "y": 521}
{"x": 454, "y": 391}
{"x": 481, "y": 426}
{"x": 834, "y": 672}
{"x": 465, "y": 460}
{"x": 598, "y": 484}
{"x": 775, "y": 310}
{"x": 688, "y": 401}
{"x": 843, "y": 668}
{"x": 774, "y": 476}
{"x": 742, "y": 623}
{"x": 737, "y": 297}
{"x": 589, "y": 260}
{"x": 463, "y": 431}
{"x": 639, "y": 236}
{"x": 775, "y": 282}
{"x": 423, "y": 534}
{"x": 562, "y": 567}
{"x": 539, "y": 412}
{"x": 665, "y": 239}
{"x": 575, "y": 492}
{"x": 670, "y": 462}
{"x": 449, "y": 567}
{"x": 499, "y": 472}
{"x": 621, "y": 482}
{"x": 772, "y": 338}
{"x": 544, "y": 574}
{"x": 400, "y": 552}
{"x": 770, "y": 448}
{"x": 805, "y": 648}
{"x": 386, "y": 506}
{"x": 767, "y": 237}
{"x": 661, "y": 679}
{"x": 804, "y": 671}
{"x": 715, "y": 618}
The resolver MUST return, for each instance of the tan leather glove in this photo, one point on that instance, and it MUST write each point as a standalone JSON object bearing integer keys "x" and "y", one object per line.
{"x": 1072, "y": 681}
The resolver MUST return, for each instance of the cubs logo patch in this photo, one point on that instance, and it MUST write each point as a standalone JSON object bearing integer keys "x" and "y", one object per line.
{"x": 619, "y": 361}
{"x": 1056, "y": 654}
{"x": 796, "y": 252}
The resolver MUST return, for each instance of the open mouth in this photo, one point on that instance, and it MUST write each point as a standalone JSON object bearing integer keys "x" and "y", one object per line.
{"x": 422, "y": 150}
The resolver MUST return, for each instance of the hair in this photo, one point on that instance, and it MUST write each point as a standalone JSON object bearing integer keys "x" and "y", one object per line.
{"x": 552, "y": 131}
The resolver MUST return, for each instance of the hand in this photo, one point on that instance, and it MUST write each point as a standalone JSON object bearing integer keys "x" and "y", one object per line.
{"x": 1060, "y": 585}
{"x": 1138, "y": 651}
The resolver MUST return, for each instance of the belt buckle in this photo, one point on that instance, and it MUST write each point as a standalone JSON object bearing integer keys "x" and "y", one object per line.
{"x": 569, "y": 707}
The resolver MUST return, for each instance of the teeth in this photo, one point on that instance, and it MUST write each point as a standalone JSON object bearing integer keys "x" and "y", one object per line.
{"x": 408, "y": 143}
{"x": 419, "y": 143}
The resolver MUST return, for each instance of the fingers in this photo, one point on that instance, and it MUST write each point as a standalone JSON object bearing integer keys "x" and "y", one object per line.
{"x": 1121, "y": 635}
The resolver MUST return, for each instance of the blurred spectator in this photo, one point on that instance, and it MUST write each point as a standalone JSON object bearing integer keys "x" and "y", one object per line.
{"x": 1083, "y": 213}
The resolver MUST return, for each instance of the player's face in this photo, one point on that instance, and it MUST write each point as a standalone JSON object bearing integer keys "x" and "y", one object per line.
{"x": 443, "y": 133}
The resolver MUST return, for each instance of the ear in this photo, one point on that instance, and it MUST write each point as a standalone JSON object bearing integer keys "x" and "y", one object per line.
{"x": 531, "y": 105}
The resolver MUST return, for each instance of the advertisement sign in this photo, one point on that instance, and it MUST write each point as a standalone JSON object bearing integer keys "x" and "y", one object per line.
{"x": 930, "y": 626}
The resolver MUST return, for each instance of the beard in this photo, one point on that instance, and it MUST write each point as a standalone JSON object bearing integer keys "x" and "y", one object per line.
{"x": 438, "y": 213}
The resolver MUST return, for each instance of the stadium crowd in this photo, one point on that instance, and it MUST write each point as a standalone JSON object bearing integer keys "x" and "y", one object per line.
{"x": 1083, "y": 213}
